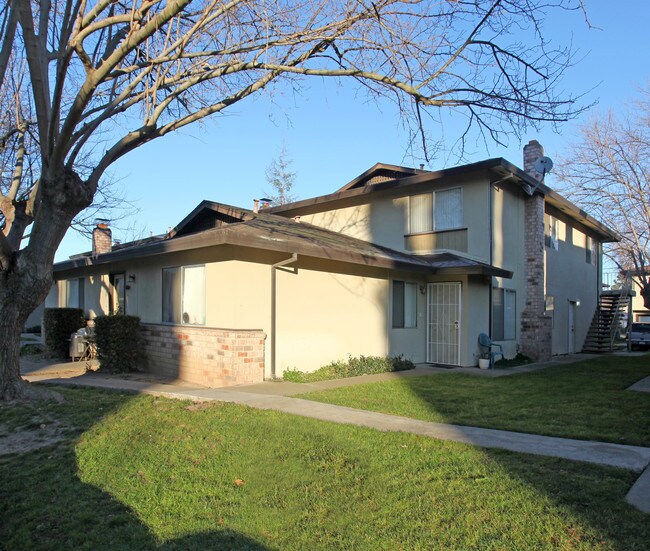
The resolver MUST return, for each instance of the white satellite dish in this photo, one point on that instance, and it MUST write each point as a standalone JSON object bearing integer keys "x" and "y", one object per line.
{"x": 544, "y": 165}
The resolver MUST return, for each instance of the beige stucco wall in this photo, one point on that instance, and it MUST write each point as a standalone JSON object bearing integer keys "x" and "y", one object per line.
{"x": 384, "y": 220}
{"x": 639, "y": 311}
{"x": 321, "y": 316}
{"x": 569, "y": 278}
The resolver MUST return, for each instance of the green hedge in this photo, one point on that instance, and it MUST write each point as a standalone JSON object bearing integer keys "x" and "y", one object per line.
{"x": 363, "y": 365}
{"x": 59, "y": 324}
{"x": 118, "y": 339}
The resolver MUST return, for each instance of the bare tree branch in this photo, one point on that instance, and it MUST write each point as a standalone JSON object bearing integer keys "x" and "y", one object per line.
{"x": 608, "y": 174}
{"x": 94, "y": 80}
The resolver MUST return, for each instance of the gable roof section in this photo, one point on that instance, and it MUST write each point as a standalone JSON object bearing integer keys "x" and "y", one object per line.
{"x": 277, "y": 233}
{"x": 381, "y": 173}
{"x": 209, "y": 215}
{"x": 358, "y": 190}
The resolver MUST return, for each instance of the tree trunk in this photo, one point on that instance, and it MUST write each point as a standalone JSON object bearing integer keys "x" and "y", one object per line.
{"x": 11, "y": 384}
{"x": 26, "y": 281}
{"x": 645, "y": 293}
{"x": 20, "y": 294}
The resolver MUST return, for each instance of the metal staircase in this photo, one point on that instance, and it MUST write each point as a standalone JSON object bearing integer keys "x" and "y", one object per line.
{"x": 611, "y": 310}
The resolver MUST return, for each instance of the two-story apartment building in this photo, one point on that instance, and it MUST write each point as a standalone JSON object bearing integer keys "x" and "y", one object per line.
{"x": 398, "y": 261}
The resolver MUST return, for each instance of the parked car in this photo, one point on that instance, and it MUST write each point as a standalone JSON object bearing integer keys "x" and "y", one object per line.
{"x": 640, "y": 335}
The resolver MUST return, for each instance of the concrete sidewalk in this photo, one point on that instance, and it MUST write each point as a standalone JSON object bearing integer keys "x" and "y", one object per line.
{"x": 276, "y": 396}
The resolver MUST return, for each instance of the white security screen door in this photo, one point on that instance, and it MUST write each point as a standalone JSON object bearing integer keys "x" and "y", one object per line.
{"x": 443, "y": 323}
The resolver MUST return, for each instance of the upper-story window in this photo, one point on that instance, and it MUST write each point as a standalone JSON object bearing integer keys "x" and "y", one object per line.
{"x": 551, "y": 233}
{"x": 437, "y": 211}
{"x": 183, "y": 300}
{"x": 590, "y": 251}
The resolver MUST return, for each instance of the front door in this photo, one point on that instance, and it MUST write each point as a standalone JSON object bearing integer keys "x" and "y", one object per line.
{"x": 443, "y": 323}
{"x": 117, "y": 304}
{"x": 572, "y": 328}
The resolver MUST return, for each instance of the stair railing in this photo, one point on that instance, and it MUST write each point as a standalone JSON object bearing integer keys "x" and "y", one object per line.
{"x": 616, "y": 318}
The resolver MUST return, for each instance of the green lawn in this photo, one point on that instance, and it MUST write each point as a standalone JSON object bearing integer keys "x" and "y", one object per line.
{"x": 585, "y": 400}
{"x": 145, "y": 473}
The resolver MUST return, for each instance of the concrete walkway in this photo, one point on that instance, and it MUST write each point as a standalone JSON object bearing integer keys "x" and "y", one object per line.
{"x": 641, "y": 386}
{"x": 276, "y": 396}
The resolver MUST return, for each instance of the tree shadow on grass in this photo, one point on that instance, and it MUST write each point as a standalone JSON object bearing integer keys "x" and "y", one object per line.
{"x": 44, "y": 504}
{"x": 592, "y": 495}
{"x": 75, "y": 505}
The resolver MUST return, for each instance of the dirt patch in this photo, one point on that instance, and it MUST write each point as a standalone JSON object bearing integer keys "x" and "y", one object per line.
{"x": 25, "y": 440}
{"x": 198, "y": 406}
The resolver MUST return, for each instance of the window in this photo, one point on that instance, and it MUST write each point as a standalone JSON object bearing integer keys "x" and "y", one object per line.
{"x": 504, "y": 327}
{"x": 74, "y": 291}
{"x": 591, "y": 251}
{"x": 404, "y": 304}
{"x": 183, "y": 300}
{"x": 551, "y": 233}
{"x": 438, "y": 211}
{"x": 549, "y": 308}
{"x": 421, "y": 213}
{"x": 449, "y": 209}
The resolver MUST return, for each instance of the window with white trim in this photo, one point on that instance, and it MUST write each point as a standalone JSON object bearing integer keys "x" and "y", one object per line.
{"x": 504, "y": 319}
{"x": 74, "y": 293}
{"x": 405, "y": 300}
{"x": 183, "y": 290}
{"x": 549, "y": 308}
{"x": 436, "y": 211}
{"x": 551, "y": 233}
{"x": 591, "y": 250}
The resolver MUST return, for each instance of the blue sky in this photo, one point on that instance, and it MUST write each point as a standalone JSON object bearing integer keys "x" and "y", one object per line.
{"x": 333, "y": 134}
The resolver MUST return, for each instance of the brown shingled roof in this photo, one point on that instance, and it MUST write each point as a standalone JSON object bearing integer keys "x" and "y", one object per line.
{"x": 277, "y": 233}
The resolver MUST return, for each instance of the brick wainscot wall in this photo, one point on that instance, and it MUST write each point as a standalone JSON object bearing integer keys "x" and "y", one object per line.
{"x": 206, "y": 356}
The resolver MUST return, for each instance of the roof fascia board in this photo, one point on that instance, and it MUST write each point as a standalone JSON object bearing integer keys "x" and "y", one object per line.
{"x": 302, "y": 207}
{"x": 184, "y": 243}
{"x": 227, "y": 236}
{"x": 250, "y": 239}
{"x": 521, "y": 178}
{"x": 583, "y": 218}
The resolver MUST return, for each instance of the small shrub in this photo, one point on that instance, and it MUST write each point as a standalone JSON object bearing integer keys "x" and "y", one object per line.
{"x": 35, "y": 329}
{"x": 363, "y": 365}
{"x": 118, "y": 342}
{"x": 31, "y": 349}
{"x": 519, "y": 359}
{"x": 59, "y": 324}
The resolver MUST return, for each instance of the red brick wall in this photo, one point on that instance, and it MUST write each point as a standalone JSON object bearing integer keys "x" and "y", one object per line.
{"x": 206, "y": 356}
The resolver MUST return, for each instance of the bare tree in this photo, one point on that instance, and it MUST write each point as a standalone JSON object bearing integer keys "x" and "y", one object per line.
{"x": 608, "y": 174}
{"x": 92, "y": 80}
{"x": 280, "y": 177}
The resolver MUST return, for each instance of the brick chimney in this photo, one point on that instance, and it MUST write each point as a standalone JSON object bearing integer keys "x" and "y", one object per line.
{"x": 536, "y": 332}
{"x": 102, "y": 239}
{"x": 533, "y": 151}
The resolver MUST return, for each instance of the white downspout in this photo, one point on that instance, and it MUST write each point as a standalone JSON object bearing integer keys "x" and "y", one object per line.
{"x": 274, "y": 267}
